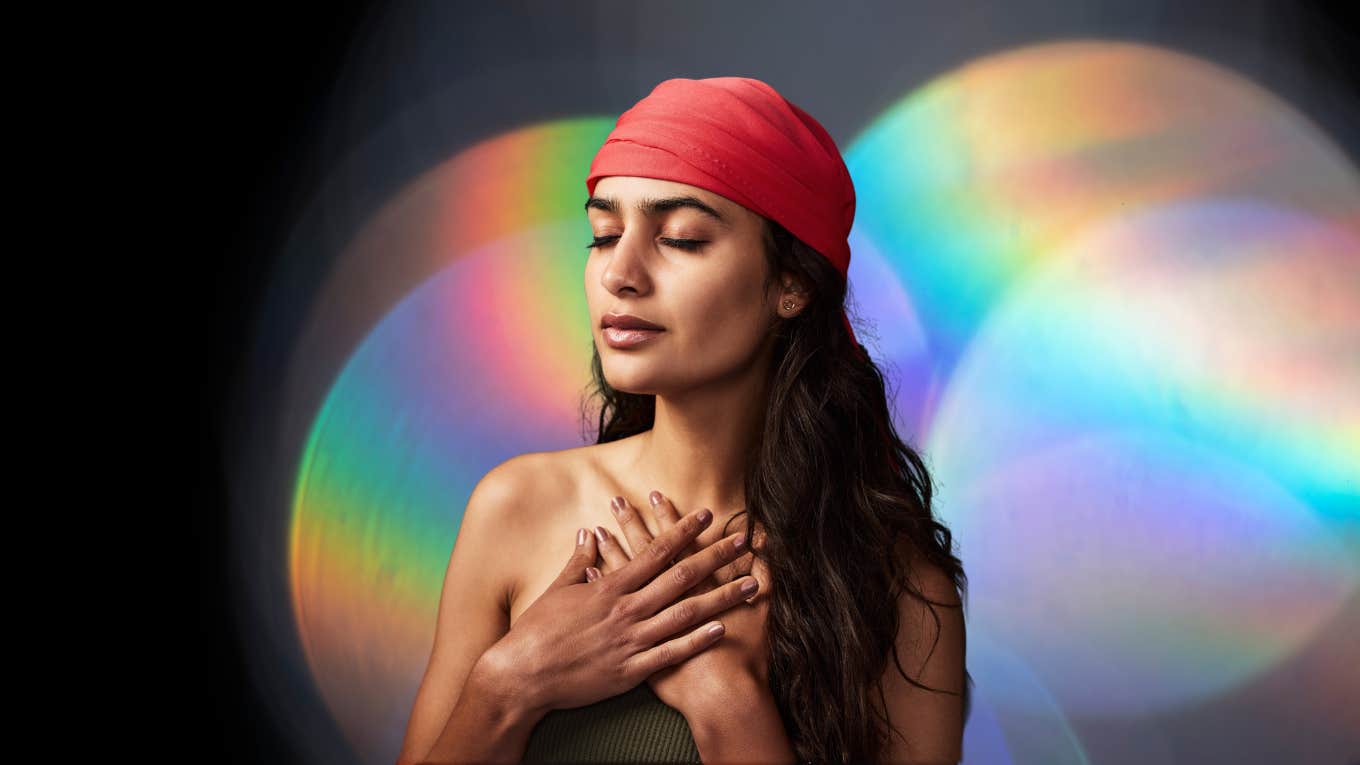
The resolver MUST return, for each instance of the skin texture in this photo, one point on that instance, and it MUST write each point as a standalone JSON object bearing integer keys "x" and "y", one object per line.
{"x": 635, "y": 615}
{"x": 730, "y": 674}
{"x": 707, "y": 370}
{"x": 746, "y": 649}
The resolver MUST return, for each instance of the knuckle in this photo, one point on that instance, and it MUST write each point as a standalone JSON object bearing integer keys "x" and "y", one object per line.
{"x": 684, "y": 574}
{"x": 682, "y": 615}
{"x": 720, "y": 558}
{"x": 660, "y": 551}
{"x": 621, "y": 672}
{"x": 627, "y": 641}
{"x": 625, "y": 609}
{"x": 665, "y": 654}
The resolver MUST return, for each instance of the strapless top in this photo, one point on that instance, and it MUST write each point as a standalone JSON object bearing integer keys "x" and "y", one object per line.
{"x": 634, "y": 726}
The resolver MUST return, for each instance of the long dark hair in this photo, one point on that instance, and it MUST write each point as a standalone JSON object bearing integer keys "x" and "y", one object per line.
{"x": 829, "y": 483}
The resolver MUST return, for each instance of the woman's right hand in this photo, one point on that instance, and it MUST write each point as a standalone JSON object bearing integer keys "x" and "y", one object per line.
{"x": 582, "y": 642}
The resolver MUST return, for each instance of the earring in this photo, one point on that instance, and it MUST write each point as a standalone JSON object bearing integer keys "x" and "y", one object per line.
{"x": 789, "y": 305}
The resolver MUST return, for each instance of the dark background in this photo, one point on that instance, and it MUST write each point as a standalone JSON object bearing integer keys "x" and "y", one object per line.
{"x": 266, "y": 79}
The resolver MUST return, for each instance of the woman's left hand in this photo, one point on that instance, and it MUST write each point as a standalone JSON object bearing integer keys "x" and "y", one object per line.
{"x": 743, "y": 650}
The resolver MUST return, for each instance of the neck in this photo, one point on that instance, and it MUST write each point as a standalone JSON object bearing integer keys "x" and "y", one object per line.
{"x": 697, "y": 451}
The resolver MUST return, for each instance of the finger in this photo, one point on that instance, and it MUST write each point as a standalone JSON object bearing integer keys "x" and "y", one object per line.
{"x": 668, "y": 587}
{"x": 761, "y": 572}
{"x": 659, "y": 553}
{"x": 645, "y": 664}
{"x": 666, "y": 515}
{"x": 631, "y": 524}
{"x": 745, "y": 566}
{"x": 663, "y": 510}
{"x": 611, "y": 550}
{"x": 683, "y": 615}
{"x": 582, "y": 556}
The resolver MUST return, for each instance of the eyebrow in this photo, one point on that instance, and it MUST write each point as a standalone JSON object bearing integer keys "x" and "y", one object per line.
{"x": 652, "y": 206}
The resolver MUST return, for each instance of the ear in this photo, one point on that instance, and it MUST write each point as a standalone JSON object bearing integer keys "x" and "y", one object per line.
{"x": 792, "y": 297}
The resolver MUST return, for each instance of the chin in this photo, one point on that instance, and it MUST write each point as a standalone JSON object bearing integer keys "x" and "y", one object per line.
{"x": 628, "y": 375}
{"x": 629, "y": 383}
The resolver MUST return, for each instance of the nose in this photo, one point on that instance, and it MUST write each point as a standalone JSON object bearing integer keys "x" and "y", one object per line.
{"x": 626, "y": 267}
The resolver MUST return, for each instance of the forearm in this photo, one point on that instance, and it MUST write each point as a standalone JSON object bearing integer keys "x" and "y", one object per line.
{"x": 741, "y": 724}
{"x": 490, "y": 723}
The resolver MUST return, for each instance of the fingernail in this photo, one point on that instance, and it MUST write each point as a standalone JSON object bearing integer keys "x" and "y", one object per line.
{"x": 618, "y": 505}
{"x": 749, "y": 586}
{"x": 655, "y": 497}
{"x": 580, "y": 537}
{"x": 591, "y": 574}
{"x": 600, "y": 534}
{"x": 716, "y": 629}
{"x": 705, "y": 515}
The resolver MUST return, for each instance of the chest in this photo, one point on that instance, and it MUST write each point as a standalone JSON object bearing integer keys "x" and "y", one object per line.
{"x": 548, "y": 548}
{"x": 553, "y": 541}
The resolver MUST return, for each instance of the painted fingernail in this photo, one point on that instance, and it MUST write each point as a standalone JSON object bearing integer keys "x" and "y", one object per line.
{"x": 580, "y": 537}
{"x": 618, "y": 505}
{"x": 705, "y": 515}
{"x": 592, "y": 574}
{"x": 655, "y": 497}
{"x": 601, "y": 534}
{"x": 739, "y": 542}
{"x": 749, "y": 586}
{"x": 715, "y": 629}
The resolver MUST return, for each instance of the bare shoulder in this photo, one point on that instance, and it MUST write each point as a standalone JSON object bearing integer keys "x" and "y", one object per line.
{"x": 525, "y": 486}
{"x": 503, "y": 494}
{"x": 529, "y": 506}
{"x": 927, "y": 722}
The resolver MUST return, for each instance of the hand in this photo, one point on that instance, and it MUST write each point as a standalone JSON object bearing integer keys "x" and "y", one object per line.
{"x": 744, "y": 648}
{"x": 582, "y": 642}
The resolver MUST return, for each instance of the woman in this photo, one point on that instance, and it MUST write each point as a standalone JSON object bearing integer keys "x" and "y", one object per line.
{"x": 731, "y": 381}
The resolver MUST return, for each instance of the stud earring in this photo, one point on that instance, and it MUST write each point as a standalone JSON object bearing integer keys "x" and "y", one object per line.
{"x": 789, "y": 305}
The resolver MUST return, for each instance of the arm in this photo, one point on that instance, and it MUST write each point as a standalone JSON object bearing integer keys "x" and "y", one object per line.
{"x": 742, "y": 727}
{"x": 473, "y": 615}
{"x": 931, "y": 722}
{"x": 490, "y": 722}
{"x": 928, "y": 726}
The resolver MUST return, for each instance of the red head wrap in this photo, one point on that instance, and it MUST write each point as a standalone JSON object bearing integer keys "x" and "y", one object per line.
{"x": 737, "y": 137}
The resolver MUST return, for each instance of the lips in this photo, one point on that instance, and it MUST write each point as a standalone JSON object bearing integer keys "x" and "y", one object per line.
{"x": 627, "y": 321}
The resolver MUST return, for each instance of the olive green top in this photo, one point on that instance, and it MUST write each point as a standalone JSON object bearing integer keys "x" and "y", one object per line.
{"x": 634, "y": 726}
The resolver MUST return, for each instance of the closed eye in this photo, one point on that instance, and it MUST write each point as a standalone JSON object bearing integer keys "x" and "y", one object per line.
{"x": 684, "y": 244}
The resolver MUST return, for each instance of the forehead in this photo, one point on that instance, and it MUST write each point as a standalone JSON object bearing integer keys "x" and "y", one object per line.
{"x": 618, "y": 194}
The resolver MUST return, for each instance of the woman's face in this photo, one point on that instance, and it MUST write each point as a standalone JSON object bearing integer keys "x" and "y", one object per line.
{"x": 708, "y": 297}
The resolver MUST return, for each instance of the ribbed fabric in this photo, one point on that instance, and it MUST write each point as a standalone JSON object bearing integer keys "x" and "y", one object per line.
{"x": 634, "y": 726}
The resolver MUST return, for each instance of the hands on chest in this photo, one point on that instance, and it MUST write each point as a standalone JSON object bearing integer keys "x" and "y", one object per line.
{"x": 743, "y": 650}
{"x": 616, "y": 617}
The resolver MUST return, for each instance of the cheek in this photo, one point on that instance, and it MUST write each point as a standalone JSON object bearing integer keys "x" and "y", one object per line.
{"x": 723, "y": 311}
{"x": 591, "y": 281}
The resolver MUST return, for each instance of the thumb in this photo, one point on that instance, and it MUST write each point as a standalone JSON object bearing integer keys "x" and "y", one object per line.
{"x": 584, "y": 555}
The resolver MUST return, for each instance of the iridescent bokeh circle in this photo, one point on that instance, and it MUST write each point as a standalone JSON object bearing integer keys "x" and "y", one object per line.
{"x": 1117, "y": 292}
